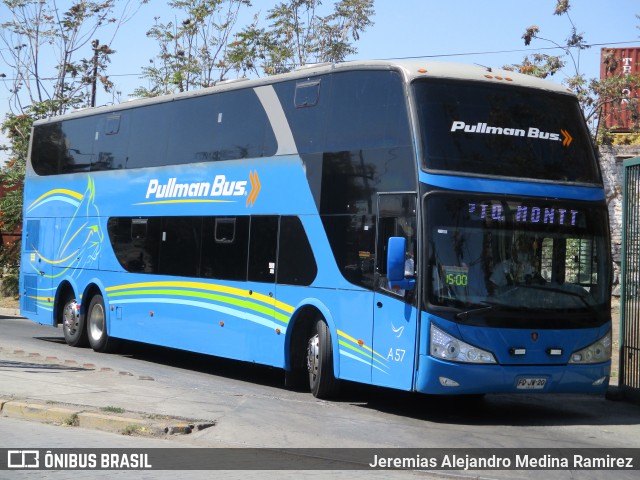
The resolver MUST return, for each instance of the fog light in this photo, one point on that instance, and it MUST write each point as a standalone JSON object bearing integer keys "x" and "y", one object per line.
{"x": 447, "y": 382}
{"x": 599, "y": 381}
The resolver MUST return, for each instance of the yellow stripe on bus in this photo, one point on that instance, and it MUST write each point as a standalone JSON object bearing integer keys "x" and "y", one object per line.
{"x": 212, "y": 287}
{"x": 64, "y": 191}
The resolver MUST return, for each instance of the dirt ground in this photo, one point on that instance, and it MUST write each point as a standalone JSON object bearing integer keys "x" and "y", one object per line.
{"x": 9, "y": 302}
{"x": 13, "y": 303}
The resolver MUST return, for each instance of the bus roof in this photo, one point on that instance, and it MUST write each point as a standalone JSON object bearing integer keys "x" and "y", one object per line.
{"x": 411, "y": 69}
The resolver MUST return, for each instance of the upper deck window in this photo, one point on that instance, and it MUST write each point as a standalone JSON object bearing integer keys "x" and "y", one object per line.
{"x": 502, "y": 130}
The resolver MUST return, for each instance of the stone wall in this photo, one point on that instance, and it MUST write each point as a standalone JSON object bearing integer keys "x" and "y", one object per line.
{"x": 611, "y": 162}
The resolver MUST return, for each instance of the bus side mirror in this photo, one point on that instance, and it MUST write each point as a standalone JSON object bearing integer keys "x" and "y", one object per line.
{"x": 396, "y": 248}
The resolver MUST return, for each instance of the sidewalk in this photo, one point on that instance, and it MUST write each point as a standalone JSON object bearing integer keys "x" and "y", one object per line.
{"x": 92, "y": 396}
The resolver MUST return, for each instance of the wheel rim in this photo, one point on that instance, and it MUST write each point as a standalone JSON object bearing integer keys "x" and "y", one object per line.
{"x": 96, "y": 322}
{"x": 70, "y": 316}
{"x": 313, "y": 357}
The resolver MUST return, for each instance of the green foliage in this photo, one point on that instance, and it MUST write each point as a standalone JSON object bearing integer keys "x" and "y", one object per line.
{"x": 593, "y": 94}
{"x": 299, "y": 35}
{"x": 192, "y": 51}
{"x": 17, "y": 128}
{"x": 198, "y": 51}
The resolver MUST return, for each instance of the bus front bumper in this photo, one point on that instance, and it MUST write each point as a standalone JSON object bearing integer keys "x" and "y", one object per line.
{"x": 447, "y": 378}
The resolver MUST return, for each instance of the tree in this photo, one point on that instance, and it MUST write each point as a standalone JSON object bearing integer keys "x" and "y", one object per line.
{"x": 593, "y": 94}
{"x": 192, "y": 50}
{"x": 43, "y": 45}
{"x": 204, "y": 47}
{"x": 55, "y": 63}
{"x": 298, "y": 35}
{"x": 17, "y": 128}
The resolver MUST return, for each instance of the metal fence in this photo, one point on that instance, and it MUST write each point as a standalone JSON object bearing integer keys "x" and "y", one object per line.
{"x": 630, "y": 297}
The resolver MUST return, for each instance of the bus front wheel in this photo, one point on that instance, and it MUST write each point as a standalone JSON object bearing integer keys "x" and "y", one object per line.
{"x": 99, "y": 339}
{"x": 322, "y": 381}
{"x": 73, "y": 324}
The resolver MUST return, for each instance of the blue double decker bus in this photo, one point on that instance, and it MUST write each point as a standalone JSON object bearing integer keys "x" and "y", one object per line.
{"x": 416, "y": 225}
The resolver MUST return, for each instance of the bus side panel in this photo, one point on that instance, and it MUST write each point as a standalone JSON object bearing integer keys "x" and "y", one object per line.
{"x": 236, "y": 320}
{"x": 348, "y": 314}
{"x": 36, "y": 270}
{"x": 62, "y": 237}
{"x": 395, "y": 342}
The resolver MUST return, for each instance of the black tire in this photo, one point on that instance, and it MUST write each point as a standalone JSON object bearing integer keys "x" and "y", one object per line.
{"x": 99, "y": 338}
{"x": 73, "y": 324}
{"x": 322, "y": 381}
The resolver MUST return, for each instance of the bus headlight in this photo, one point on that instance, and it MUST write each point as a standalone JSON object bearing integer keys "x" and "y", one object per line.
{"x": 597, "y": 352}
{"x": 448, "y": 347}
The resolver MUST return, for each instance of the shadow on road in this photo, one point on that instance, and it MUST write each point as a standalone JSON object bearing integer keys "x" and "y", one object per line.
{"x": 514, "y": 410}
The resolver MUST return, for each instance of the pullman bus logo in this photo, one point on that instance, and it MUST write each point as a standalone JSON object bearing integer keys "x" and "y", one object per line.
{"x": 220, "y": 189}
{"x": 532, "y": 132}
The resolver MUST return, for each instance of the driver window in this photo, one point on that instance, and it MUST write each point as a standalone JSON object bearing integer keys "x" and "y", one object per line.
{"x": 396, "y": 218}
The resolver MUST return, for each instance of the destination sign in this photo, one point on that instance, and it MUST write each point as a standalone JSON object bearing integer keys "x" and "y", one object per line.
{"x": 525, "y": 214}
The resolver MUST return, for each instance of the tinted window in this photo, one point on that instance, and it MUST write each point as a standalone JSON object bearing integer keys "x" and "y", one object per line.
{"x": 355, "y": 141}
{"x": 78, "y": 136}
{"x": 225, "y": 243}
{"x": 548, "y": 257}
{"x": 241, "y": 127}
{"x": 351, "y": 180}
{"x": 148, "y": 138}
{"x": 135, "y": 243}
{"x": 307, "y": 124}
{"x": 502, "y": 130}
{"x": 191, "y": 132}
{"x": 46, "y": 151}
{"x": 64, "y": 147}
{"x": 180, "y": 246}
{"x": 367, "y": 111}
{"x": 112, "y": 142}
{"x": 262, "y": 249}
{"x": 352, "y": 239}
{"x": 296, "y": 263}
{"x": 225, "y": 248}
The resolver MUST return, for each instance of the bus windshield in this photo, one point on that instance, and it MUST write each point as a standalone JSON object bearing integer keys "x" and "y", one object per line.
{"x": 488, "y": 256}
{"x": 502, "y": 130}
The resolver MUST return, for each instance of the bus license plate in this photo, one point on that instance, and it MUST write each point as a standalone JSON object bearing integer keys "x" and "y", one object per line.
{"x": 531, "y": 383}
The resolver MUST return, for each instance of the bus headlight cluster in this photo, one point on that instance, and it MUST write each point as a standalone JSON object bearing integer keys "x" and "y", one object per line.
{"x": 597, "y": 352}
{"x": 448, "y": 347}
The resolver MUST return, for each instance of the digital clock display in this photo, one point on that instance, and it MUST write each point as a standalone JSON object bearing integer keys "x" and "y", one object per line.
{"x": 456, "y": 276}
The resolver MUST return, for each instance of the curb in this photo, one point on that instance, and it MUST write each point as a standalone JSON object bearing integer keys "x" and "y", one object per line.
{"x": 86, "y": 417}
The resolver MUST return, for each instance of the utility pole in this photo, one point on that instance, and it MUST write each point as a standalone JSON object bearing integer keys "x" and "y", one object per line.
{"x": 94, "y": 78}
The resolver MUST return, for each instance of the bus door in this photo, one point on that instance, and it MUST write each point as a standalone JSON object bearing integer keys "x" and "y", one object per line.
{"x": 395, "y": 312}
{"x": 37, "y": 269}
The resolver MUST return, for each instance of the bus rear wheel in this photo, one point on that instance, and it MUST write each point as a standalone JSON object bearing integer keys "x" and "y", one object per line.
{"x": 73, "y": 324}
{"x": 99, "y": 338}
{"x": 322, "y": 381}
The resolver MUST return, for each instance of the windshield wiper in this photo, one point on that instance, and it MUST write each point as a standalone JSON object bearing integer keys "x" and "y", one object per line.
{"x": 486, "y": 308}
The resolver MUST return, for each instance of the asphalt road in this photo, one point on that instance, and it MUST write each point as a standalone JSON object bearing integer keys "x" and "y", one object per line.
{"x": 250, "y": 407}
